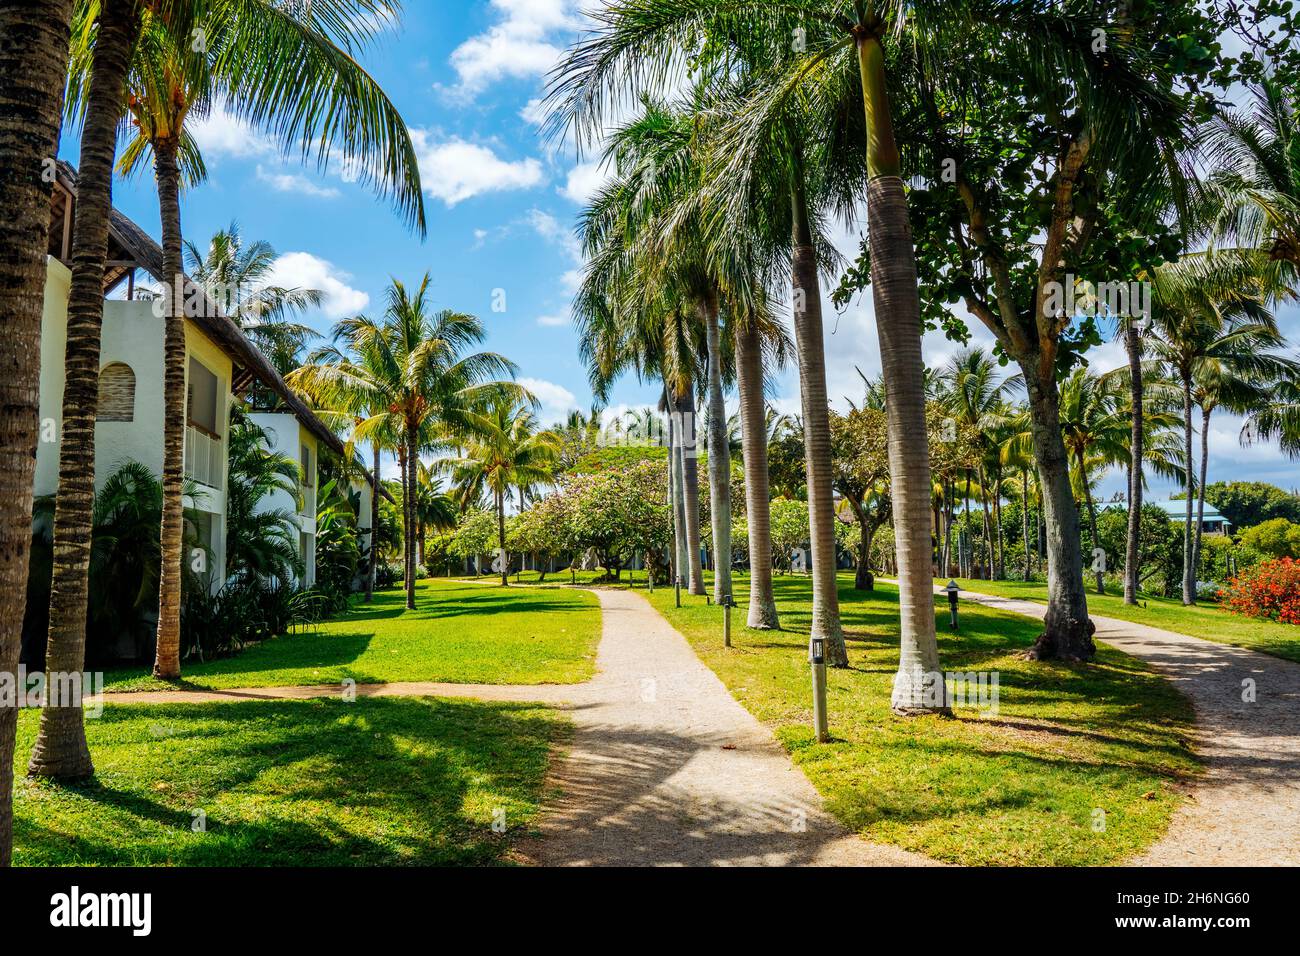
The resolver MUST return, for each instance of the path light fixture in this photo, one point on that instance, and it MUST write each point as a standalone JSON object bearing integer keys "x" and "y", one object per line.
{"x": 727, "y": 602}
{"x": 817, "y": 655}
{"x": 953, "y": 590}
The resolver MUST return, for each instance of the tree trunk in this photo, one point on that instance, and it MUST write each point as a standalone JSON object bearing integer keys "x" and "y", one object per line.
{"x": 408, "y": 510}
{"x": 167, "y": 661}
{"x": 501, "y": 539}
{"x": 1189, "y": 571}
{"x": 61, "y": 751}
{"x": 988, "y": 525}
{"x": 33, "y": 66}
{"x": 688, "y": 445}
{"x": 1098, "y": 570}
{"x": 809, "y": 345}
{"x": 374, "y": 529}
{"x": 676, "y": 480}
{"x": 719, "y": 460}
{"x": 753, "y": 439}
{"x": 1067, "y": 629}
{"x": 1024, "y": 516}
{"x": 1206, "y": 411}
{"x": 1133, "y": 539}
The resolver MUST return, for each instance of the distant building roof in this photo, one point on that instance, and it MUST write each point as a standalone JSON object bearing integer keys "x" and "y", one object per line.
{"x": 1176, "y": 508}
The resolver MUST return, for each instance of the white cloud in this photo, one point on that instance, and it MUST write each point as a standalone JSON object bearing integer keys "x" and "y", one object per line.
{"x": 525, "y": 42}
{"x": 221, "y": 133}
{"x": 584, "y": 181}
{"x": 302, "y": 270}
{"x": 552, "y": 321}
{"x": 550, "y": 229}
{"x": 294, "y": 183}
{"x": 556, "y": 400}
{"x": 454, "y": 170}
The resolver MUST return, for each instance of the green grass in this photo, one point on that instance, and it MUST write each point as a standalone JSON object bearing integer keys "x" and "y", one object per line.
{"x": 1206, "y": 621}
{"x": 460, "y": 633}
{"x": 1016, "y": 788}
{"x": 307, "y": 783}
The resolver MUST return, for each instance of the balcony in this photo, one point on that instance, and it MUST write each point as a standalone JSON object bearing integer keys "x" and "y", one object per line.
{"x": 205, "y": 456}
{"x": 308, "y": 500}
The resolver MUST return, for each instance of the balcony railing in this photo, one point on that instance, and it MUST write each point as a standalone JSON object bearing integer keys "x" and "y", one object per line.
{"x": 205, "y": 456}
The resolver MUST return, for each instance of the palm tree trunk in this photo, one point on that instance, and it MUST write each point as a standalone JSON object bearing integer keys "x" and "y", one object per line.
{"x": 675, "y": 493}
{"x": 1098, "y": 571}
{"x": 894, "y": 294}
{"x": 167, "y": 661}
{"x": 1133, "y": 540}
{"x": 688, "y": 445}
{"x": 1189, "y": 572}
{"x": 810, "y": 347}
{"x": 1067, "y": 629}
{"x": 33, "y": 67}
{"x": 949, "y": 506}
{"x": 719, "y": 460}
{"x": 408, "y": 510}
{"x": 1206, "y": 411}
{"x": 501, "y": 538}
{"x": 753, "y": 438}
{"x": 988, "y": 525}
{"x": 374, "y": 528}
{"x": 61, "y": 751}
{"x": 1024, "y": 516}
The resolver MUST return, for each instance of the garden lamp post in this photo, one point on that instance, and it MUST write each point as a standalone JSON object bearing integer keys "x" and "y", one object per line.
{"x": 727, "y": 603}
{"x": 817, "y": 655}
{"x": 953, "y": 590}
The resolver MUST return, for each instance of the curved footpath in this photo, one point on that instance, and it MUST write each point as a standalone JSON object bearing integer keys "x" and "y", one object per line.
{"x": 1245, "y": 810}
{"x": 667, "y": 768}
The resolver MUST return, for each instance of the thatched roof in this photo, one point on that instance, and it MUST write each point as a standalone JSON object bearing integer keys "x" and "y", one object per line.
{"x": 131, "y": 247}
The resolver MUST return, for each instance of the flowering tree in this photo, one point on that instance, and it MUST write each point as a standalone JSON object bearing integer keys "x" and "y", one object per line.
{"x": 618, "y": 513}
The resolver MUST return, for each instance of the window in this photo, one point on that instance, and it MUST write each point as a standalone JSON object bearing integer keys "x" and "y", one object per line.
{"x": 308, "y": 473}
{"x": 116, "y": 393}
{"x": 203, "y": 402}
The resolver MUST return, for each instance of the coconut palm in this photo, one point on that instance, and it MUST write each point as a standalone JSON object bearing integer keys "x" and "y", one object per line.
{"x": 100, "y": 56}
{"x": 287, "y": 69}
{"x": 1254, "y": 194}
{"x": 434, "y": 508}
{"x": 410, "y": 381}
{"x": 1205, "y": 339}
{"x": 506, "y": 451}
{"x": 235, "y": 275}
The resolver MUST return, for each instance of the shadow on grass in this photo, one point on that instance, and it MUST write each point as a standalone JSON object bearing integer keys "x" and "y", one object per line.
{"x": 376, "y": 782}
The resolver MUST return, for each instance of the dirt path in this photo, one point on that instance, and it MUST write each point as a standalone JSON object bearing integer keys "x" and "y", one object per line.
{"x": 664, "y": 768}
{"x": 1246, "y": 809}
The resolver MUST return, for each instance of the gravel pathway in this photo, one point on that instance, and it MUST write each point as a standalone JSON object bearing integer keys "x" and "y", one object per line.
{"x": 1245, "y": 810}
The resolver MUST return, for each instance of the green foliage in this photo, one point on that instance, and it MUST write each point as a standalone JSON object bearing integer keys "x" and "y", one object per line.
{"x": 789, "y": 530}
{"x": 475, "y": 535}
{"x": 260, "y": 543}
{"x": 617, "y": 457}
{"x": 1247, "y": 503}
{"x": 619, "y": 512}
{"x": 1276, "y": 538}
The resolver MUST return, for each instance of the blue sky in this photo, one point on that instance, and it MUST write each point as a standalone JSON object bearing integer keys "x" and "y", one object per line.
{"x": 501, "y": 205}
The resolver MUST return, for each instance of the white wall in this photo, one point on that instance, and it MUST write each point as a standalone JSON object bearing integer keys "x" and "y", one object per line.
{"x": 133, "y": 335}
{"x": 286, "y": 436}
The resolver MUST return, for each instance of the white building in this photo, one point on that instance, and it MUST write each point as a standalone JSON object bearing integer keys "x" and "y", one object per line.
{"x": 221, "y": 366}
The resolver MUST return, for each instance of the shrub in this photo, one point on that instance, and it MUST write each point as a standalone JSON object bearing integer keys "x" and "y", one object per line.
{"x": 1269, "y": 590}
{"x": 1276, "y": 538}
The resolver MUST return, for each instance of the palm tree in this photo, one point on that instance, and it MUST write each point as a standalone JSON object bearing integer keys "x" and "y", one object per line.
{"x": 433, "y": 507}
{"x": 260, "y": 543}
{"x": 235, "y": 277}
{"x": 1208, "y": 341}
{"x": 288, "y": 70}
{"x": 1254, "y": 195}
{"x": 506, "y": 451}
{"x": 33, "y": 64}
{"x": 411, "y": 381}
{"x": 100, "y": 57}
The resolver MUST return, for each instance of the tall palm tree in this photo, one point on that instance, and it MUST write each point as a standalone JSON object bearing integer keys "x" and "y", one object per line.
{"x": 289, "y": 70}
{"x": 33, "y": 64}
{"x": 100, "y": 57}
{"x": 410, "y": 380}
{"x": 506, "y": 451}
{"x": 1206, "y": 339}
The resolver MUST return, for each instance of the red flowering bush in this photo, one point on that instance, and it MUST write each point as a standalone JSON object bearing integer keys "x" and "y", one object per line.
{"x": 1270, "y": 590}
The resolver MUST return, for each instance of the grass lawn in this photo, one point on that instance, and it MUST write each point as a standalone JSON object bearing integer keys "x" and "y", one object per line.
{"x": 460, "y": 633}
{"x": 1020, "y": 787}
{"x": 316, "y": 783}
{"x": 1207, "y": 621}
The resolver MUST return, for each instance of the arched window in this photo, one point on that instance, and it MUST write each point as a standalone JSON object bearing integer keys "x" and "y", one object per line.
{"x": 116, "y": 393}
